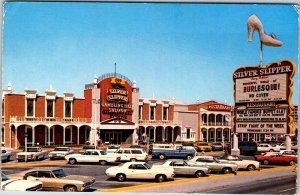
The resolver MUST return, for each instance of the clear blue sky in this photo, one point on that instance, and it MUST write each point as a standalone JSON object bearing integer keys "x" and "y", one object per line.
{"x": 184, "y": 51}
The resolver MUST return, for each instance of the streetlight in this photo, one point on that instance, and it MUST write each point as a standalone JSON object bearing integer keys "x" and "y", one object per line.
{"x": 95, "y": 102}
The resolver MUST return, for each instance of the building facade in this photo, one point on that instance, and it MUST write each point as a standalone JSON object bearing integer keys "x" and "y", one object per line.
{"x": 112, "y": 111}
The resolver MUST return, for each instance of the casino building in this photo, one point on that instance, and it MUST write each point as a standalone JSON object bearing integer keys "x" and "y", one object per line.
{"x": 111, "y": 111}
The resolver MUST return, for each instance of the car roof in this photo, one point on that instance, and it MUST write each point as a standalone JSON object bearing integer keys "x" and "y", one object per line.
{"x": 90, "y": 150}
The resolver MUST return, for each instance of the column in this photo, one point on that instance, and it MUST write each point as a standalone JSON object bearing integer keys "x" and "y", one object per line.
{"x": 64, "y": 134}
{"x": 10, "y": 138}
{"x": 33, "y": 135}
{"x": 45, "y": 136}
{"x": 215, "y": 135}
{"x": 154, "y": 134}
{"x": 259, "y": 137}
{"x": 248, "y": 136}
{"x": 288, "y": 142}
{"x": 77, "y": 135}
{"x": 207, "y": 135}
{"x": 242, "y": 136}
{"x": 163, "y": 134}
{"x": 215, "y": 120}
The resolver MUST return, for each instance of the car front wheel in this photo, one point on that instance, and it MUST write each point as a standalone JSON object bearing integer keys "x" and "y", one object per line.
{"x": 121, "y": 177}
{"x": 162, "y": 156}
{"x": 102, "y": 162}
{"x": 199, "y": 174}
{"x": 160, "y": 178}
{"x": 72, "y": 161}
{"x": 266, "y": 162}
{"x": 70, "y": 189}
{"x": 189, "y": 157}
{"x": 292, "y": 162}
{"x": 251, "y": 167}
{"x": 226, "y": 170}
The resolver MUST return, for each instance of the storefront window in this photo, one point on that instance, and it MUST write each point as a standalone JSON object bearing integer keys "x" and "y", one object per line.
{"x": 30, "y": 107}
{"x": 50, "y": 108}
{"x": 165, "y": 113}
{"x": 152, "y": 113}
{"x": 29, "y": 135}
{"x": 2, "y": 139}
{"x": 68, "y": 109}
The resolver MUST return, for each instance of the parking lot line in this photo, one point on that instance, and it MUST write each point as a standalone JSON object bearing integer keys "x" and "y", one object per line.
{"x": 33, "y": 164}
{"x": 122, "y": 189}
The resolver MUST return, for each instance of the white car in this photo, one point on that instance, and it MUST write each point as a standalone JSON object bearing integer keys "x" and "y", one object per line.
{"x": 139, "y": 170}
{"x": 92, "y": 156}
{"x": 5, "y": 155}
{"x": 250, "y": 165}
{"x": 60, "y": 152}
{"x": 19, "y": 184}
{"x": 132, "y": 154}
{"x": 112, "y": 148}
{"x": 268, "y": 148}
{"x": 293, "y": 147}
{"x": 33, "y": 153}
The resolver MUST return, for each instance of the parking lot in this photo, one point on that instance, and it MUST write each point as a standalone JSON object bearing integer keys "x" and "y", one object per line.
{"x": 97, "y": 171}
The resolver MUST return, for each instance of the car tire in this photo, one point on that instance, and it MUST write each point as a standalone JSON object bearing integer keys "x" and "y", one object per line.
{"x": 226, "y": 170}
{"x": 70, "y": 188}
{"x": 199, "y": 174}
{"x": 51, "y": 158}
{"x": 161, "y": 156}
{"x": 133, "y": 160}
{"x": 160, "y": 178}
{"x": 189, "y": 157}
{"x": 251, "y": 167}
{"x": 266, "y": 162}
{"x": 292, "y": 162}
{"x": 271, "y": 150}
{"x": 121, "y": 177}
{"x": 72, "y": 161}
{"x": 102, "y": 162}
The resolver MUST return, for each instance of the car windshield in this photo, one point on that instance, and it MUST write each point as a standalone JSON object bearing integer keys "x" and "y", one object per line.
{"x": 61, "y": 149}
{"x": 4, "y": 177}
{"x": 103, "y": 152}
{"x": 147, "y": 166}
{"x": 59, "y": 173}
{"x": 31, "y": 150}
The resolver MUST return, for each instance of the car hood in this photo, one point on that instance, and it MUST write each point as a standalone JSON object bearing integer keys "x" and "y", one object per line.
{"x": 18, "y": 185}
{"x": 28, "y": 153}
{"x": 79, "y": 178}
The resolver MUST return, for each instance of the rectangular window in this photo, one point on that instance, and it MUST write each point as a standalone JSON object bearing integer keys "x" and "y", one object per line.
{"x": 30, "y": 107}
{"x": 68, "y": 135}
{"x": 165, "y": 113}
{"x": 50, "y": 108}
{"x": 188, "y": 133}
{"x": 152, "y": 113}
{"x": 140, "y": 112}
{"x": 68, "y": 109}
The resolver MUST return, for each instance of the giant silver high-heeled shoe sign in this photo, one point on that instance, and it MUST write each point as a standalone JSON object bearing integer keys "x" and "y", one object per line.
{"x": 255, "y": 24}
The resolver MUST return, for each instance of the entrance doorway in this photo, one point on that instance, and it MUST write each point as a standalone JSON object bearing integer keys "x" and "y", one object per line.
{"x": 113, "y": 137}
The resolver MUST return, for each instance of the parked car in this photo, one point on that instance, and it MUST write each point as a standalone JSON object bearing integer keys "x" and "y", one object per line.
{"x": 214, "y": 164}
{"x": 247, "y": 147}
{"x": 8, "y": 184}
{"x": 175, "y": 152}
{"x": 60, "y": 153}
{"x": 217, "y": 146}
{"x": 203, "y": 146}
{"x": 112, "y": 148}
{"x": 293, "y": 147}
{"x": 132, "y": 154}
{"x": 88, "y": 147}
{"x": 55, "y": 179}
{"x": 5, "y": 155}
{"x": 250, "y": 165}
{"x": 92, "y": 156}
{"x": 268, "y": 148}
{"x": 135, "y": 146}
{"x": 276, "y": 159}
{"x": 183, "y": 168}
{"x": 139, "y": 170}
{"x": 288, "y": 153}
{"x": 32, "y": 153}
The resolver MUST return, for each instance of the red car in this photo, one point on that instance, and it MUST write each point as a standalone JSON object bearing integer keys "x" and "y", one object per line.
{"x": 276, "y": 159}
